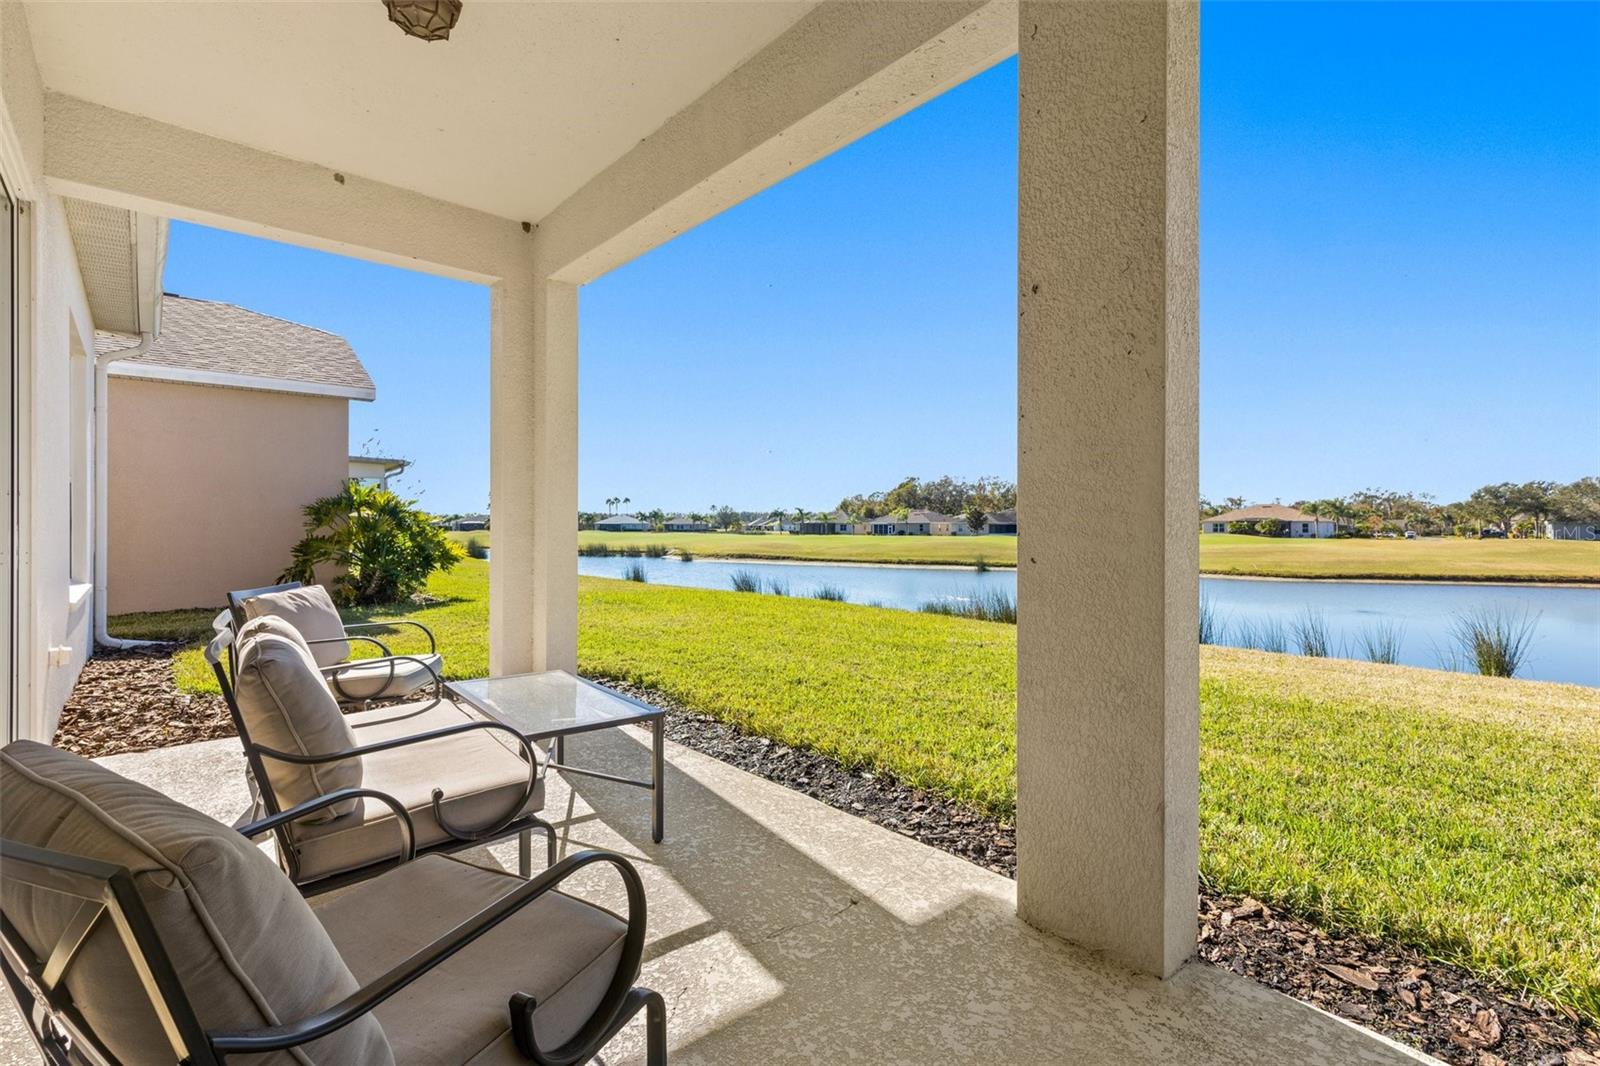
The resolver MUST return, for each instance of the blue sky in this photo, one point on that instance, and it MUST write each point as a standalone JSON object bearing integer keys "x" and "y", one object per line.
{"x": 1400, "y": 286}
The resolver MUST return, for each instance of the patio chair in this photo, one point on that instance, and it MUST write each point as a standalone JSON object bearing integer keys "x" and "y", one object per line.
{"x": 134, "y": 929}
{"x": 357, "y": 682}
{"x": 462, "y": 779}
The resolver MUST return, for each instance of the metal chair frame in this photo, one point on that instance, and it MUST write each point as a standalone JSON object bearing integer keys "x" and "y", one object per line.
{"x": 107, "y": 892}
{"x": 459, "y": 837}
{"x": 234, "y": 615}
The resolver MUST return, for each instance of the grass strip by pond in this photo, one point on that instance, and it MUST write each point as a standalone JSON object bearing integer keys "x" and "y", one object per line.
{"x": 1428, "y": 559}
{"x": 1455, "y": 813}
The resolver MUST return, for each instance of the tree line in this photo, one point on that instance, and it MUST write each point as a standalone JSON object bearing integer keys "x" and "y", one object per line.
{"x": 975, "y": 500}
{"x": 1519, "y": 508}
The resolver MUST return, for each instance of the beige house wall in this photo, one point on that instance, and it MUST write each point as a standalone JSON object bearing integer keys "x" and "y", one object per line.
{"x": 206, "y": 486}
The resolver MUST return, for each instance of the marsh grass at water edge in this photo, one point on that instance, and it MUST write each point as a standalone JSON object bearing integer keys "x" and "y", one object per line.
{"x": 1494, "y": 641}
{"x": 985, "y": 605}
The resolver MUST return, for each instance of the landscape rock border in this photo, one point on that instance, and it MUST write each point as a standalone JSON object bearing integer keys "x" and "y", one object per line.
{"x": 1437, "y": 1007}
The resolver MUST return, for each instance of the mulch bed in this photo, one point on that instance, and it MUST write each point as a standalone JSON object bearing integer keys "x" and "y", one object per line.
{"x": 127, "y": 701}
{"x": 1440, "y": 1008}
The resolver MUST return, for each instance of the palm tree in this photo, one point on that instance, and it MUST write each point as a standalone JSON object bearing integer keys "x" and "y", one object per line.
{"x": 626, "y": 501}
{"x": 1316, "y": 509}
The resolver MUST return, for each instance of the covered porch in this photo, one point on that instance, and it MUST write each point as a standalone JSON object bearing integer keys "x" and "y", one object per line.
{"x": 783, "y": 930}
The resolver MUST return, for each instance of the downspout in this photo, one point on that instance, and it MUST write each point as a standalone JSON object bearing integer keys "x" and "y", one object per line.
{"x": 102, "y": 421}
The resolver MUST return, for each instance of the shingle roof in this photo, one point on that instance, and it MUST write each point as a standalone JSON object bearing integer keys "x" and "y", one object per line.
{"x": 1007, "y": 517}
{"x": 218, "y": 338}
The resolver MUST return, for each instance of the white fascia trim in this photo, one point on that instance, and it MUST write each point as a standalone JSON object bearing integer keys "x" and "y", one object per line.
{"x": 260, "y": 382}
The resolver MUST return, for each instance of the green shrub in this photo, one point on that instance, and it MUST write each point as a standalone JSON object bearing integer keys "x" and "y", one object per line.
{"x": 382, "y": 545}
{"x": 1245, "y": 528}
{"x": 477, "y": 549}
{"x": 1272, "y": 527}
{"x": 635, "y": 572}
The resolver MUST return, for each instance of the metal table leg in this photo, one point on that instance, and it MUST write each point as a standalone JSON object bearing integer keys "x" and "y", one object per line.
{"x": 658, "y": 758}
{"x": 525, "y": 853}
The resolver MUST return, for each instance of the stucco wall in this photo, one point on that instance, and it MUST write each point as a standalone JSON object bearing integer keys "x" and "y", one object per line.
{"x": 52, "y": 613}
{"x": 206, "y": 487}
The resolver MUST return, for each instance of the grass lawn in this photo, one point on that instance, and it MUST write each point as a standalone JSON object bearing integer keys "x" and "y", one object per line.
{"x": 1430, "y": 558}
{"x": 967, "y": 551}
{"x": 1452, "y": 812}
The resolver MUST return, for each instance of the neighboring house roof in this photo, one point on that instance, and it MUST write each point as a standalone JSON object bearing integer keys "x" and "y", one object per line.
{"x": 926, "y": 516}
{"x": 618, "y": 518}
{"x": 377, "y": 460}
{"x": 207, "y": 343}
{"x": 1007, "y": 517}
{"x": 683, "y": 520}
{"x": 1260, "y": 511}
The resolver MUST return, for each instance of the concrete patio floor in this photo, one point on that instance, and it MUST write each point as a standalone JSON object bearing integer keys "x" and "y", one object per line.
{"x": 785, "y": 931}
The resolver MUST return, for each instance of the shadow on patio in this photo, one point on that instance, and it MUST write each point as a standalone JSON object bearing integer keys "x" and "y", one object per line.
{"x": 783, "y": 930}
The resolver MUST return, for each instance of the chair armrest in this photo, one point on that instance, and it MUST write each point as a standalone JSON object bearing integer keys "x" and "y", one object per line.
{"x": 311, "y": 806}
{"x": 345, "y": 640}
{"x": 364, "y": 999}
{"x": 433, "y": 646}
{"x": 460, "y": 833}
{"x": 330, "y": 672}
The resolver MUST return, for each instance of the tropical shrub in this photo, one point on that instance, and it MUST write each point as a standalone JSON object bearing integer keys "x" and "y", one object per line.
{"x": 384, "y": 548}
{"x": 1272, "y": 527}
{"x": 1242, "y": 527}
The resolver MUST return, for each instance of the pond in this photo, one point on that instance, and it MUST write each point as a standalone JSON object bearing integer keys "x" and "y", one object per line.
{"x": 1565, "y": 645}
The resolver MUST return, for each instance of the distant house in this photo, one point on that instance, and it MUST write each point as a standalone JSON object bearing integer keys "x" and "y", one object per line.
{"x": 623, "y": 523}
{"x": 1298, "y": 522}
{"x": 374, "y": 470}
{"x": 837, "y": 522}
{"x": 914, "y": 524}
{"x": 1004, "y": 522}
{"x": 1572, "y": 529}
{"x": 772, "y": 524}
{"x": 682, "y": 523}
{"x": 952, "y": 525}
{"x": 467, "y": 523}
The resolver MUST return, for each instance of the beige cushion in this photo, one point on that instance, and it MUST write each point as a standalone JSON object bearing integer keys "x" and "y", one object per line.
{"x": 269, "y": 623}
{"x": 287, "y": 707}
{"x": 372, "y": 679}
{"x": 480, "y": 773}
{"x": 561, "y": 951}
{"x": 311, "y": 611}
{"x": 244, "y": 944}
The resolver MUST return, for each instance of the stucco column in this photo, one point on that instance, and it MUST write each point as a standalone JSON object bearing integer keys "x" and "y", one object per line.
{"x": 533, "y": 475}
{"x": 1107, "y": 656}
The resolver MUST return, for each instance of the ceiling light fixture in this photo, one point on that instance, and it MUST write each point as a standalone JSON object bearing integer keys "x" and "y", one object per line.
{"x": 430, "y": 20}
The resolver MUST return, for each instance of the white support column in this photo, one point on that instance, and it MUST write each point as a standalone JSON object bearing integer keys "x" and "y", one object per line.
{"x": 533, "y": 475}
{"x": 1107, "y": 658}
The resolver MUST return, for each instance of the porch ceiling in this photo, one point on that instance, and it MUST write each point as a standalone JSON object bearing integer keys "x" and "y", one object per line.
{"x": 513, "y": 114}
